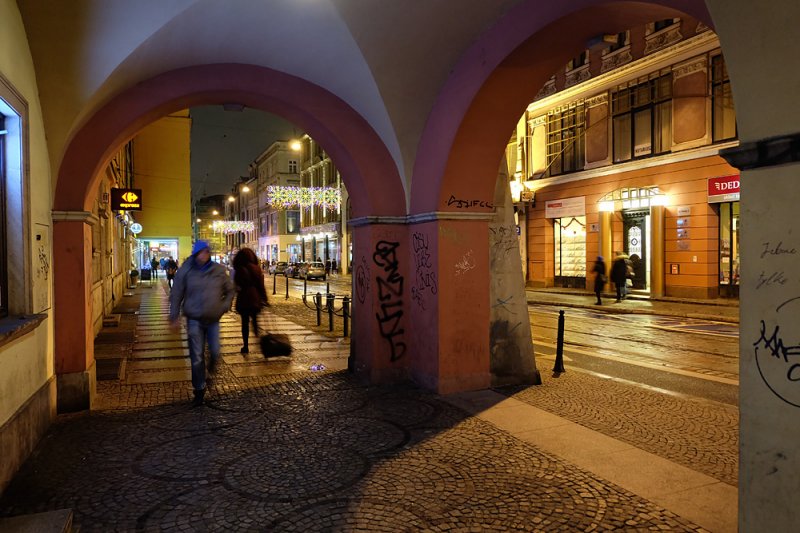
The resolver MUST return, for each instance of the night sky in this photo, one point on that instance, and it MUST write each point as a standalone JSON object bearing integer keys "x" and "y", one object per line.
{"x": 225, "y": 142}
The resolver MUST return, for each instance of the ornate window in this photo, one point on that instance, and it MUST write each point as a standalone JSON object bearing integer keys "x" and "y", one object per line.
{"x": 566, "y": 145}
{"x": 723, "y": 117}
{"x": 642, "y": 117}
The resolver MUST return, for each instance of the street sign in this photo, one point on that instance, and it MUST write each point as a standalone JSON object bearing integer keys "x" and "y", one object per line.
{"x": 136, "y": 228}
{"x": 126, "y": 199}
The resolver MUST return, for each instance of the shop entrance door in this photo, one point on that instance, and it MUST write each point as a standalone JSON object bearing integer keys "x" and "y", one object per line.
{"x": 636, "y": 245}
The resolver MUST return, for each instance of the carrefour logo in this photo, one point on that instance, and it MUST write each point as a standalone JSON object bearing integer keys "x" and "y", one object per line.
{"x": 126, "y": 199}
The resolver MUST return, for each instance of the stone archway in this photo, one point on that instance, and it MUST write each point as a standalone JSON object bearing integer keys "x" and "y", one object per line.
{"x": 372, "y": 179}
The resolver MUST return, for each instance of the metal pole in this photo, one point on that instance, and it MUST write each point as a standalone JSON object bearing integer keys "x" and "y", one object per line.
{"x": 346, "y": 314}
{"x": 274, "y": 281}
{"x": 318, "y": 302}
{"x": 305, "y": 285}
{"x": 559, "y": 366}
{"x": 328, "y": 288}
{"x": 330, "y": 312}
{"x": 287, "y": 287}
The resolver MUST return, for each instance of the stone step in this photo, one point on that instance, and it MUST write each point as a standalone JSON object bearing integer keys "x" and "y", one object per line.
{"x": 59, "y": 521}
{"x": 111, "y": 321}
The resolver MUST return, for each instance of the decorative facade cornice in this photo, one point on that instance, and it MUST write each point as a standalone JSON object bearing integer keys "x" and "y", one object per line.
{"x": 537, "y": 122}
{"x": 682, "y": 51}
{"x": 667, "y": 36}
{"x": 595, "y": 101}
{"x": 701, "y": 28}
{"x": 698, "y": 64}
{"x": 577, "y": 75}
{"x": 616, "y": 59}
{"x": 548, "y": 89}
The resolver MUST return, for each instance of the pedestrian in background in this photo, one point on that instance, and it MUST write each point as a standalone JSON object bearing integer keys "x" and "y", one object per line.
{"x": 154, "y": 267}
{"x": 171, "y": 268}
{"x": 599, "y": 278}
{"x": 204, "y": 292}
{"x": 251, "y": 296}
{"x": 619, "y": 274}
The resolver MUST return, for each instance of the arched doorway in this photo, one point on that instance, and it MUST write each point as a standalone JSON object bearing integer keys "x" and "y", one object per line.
{"x": 370, "y": 172}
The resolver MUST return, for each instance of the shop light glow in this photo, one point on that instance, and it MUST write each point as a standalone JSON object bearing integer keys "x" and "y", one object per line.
{"x": 303, "y": 197}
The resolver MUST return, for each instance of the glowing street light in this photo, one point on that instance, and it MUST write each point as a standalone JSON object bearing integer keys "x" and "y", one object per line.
{"x": 198, "y": 220}
{"x": 245, "y": 189}
{"x": 215, "y": 212}
{"x": 295, "y": 145}
{"x": 231, "y": 199}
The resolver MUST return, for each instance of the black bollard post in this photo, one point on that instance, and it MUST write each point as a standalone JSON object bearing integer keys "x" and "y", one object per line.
{"x": 305, "y": 285}
{"x": 330, "y": 311}
{"x": 287, "y": 287}
{"x": 346, "y": 314}
{"x": 274, "y": 281}
{"x": 318, "y": 302}
{"x": 559, "y": 366}
{"x": 328, "y": 288}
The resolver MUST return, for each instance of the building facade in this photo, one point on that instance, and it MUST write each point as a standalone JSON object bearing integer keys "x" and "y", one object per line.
{"x": 277, "y": 226}
{"x": 324, "y": 233}
{"x": 620, "y": 153}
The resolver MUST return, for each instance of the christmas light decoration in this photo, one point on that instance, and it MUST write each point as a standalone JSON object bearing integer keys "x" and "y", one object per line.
{"x": 233, "y": 226}
{"x": 303, "y": 197}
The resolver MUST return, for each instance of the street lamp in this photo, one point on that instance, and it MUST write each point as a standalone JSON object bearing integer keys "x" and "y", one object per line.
{"x": 231, "y": 199}
{"x": 215, "y": 212}
{"x": 295, "y": 145}
{"x": 245, "y": 189}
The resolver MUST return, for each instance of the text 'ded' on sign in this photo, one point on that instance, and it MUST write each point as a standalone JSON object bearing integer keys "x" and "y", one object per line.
{"x": 126, "y": 199}
{"x": 723, "y": 189}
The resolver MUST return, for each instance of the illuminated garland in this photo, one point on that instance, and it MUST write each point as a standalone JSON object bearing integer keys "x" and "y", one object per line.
{"x": 233, "y": 226}
{"x": 304, "y": 197}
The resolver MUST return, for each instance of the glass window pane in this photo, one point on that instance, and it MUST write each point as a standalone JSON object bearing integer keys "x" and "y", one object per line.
{"x": 662, "y": 131}
{"x": 641, "y": 134}
{"x": 622, "y": 138}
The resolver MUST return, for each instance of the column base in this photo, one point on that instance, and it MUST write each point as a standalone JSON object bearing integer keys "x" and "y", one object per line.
{"x": 77, "y": 390}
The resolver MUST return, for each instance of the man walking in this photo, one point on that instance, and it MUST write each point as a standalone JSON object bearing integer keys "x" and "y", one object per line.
{"x": 205, "y": 292}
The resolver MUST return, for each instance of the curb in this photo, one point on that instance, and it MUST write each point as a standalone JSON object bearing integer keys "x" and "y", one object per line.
{"x": 631, "y": 311}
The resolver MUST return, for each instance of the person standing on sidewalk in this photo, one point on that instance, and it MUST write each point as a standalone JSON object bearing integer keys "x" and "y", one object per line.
{"x": 203, "y": 289}
{"x": 619, "y": 274}
{"x": 172, "y": 268}
{"x": 251, "y": 296}
{"x": 599, "y": 278}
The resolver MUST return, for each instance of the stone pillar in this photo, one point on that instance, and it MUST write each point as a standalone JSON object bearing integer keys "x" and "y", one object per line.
{"x": 657, "y": 250}
{"x": 511, "y": 347}
{"x": 453, "y": 352}
{"x": 74, "y": 335}
{"x": 380, "y": 344}
{"x": 769, "y": 339}
{"x": 606, "y": 238}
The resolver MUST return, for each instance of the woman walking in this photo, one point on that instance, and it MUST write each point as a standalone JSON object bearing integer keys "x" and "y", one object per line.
{"x": 251, "y": 295}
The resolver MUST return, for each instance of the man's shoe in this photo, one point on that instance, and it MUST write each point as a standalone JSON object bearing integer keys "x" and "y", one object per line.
{"x": 245, "y": 350}
{"x": 198, "y": 398}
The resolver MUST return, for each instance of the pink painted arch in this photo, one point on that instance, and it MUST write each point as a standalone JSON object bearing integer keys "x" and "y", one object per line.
{"x": 475, "y": 113}
{"x": 366, "y": 165}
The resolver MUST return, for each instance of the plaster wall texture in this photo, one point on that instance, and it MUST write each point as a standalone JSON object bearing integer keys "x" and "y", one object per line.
{"x": 27, "y": 363}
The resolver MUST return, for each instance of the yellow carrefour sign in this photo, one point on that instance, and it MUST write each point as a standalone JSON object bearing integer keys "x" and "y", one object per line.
{"x": 127, "y": 199}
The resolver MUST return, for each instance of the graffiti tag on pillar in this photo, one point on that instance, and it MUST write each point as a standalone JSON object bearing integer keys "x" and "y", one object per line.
{"x": 424, "y": 278}
{"x": 466, "y": 264}
{"x": 466, "y": 204}
{"x": 390, "y": 294}
{"x": 362, "y": 280}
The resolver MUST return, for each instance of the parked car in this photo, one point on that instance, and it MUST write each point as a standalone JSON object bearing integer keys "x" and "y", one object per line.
{"x": 279, "y": 267}
{"x": 315, "y": 270}
{"x": 294, "y": 270}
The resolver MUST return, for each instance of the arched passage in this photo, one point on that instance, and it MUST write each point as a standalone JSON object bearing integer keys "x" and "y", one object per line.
{"x": 370, "y": 172}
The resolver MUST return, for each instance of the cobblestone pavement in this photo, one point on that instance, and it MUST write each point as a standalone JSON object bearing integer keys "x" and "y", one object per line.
{"x": 279, "y": 447}
{"x": 700, "y": 434}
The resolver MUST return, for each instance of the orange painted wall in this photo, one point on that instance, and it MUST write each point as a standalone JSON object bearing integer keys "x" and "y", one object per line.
{"x": 684, "y": 183}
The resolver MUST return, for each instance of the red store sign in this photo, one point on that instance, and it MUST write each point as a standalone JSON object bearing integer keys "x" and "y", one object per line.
{"x": 723, "y": 189}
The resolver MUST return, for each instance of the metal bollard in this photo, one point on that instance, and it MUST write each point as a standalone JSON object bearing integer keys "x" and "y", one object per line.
{"x": 318, "y": 303}
{"x": 305, "y": 285}
{"x": 346, "y": 314}
{"x": 274, "y": 281}
{"x": 328, "y": 288}
{"x": 559, "y": 366}
{"x": 330, "y": 311}
{"x": 287, "y": 287}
